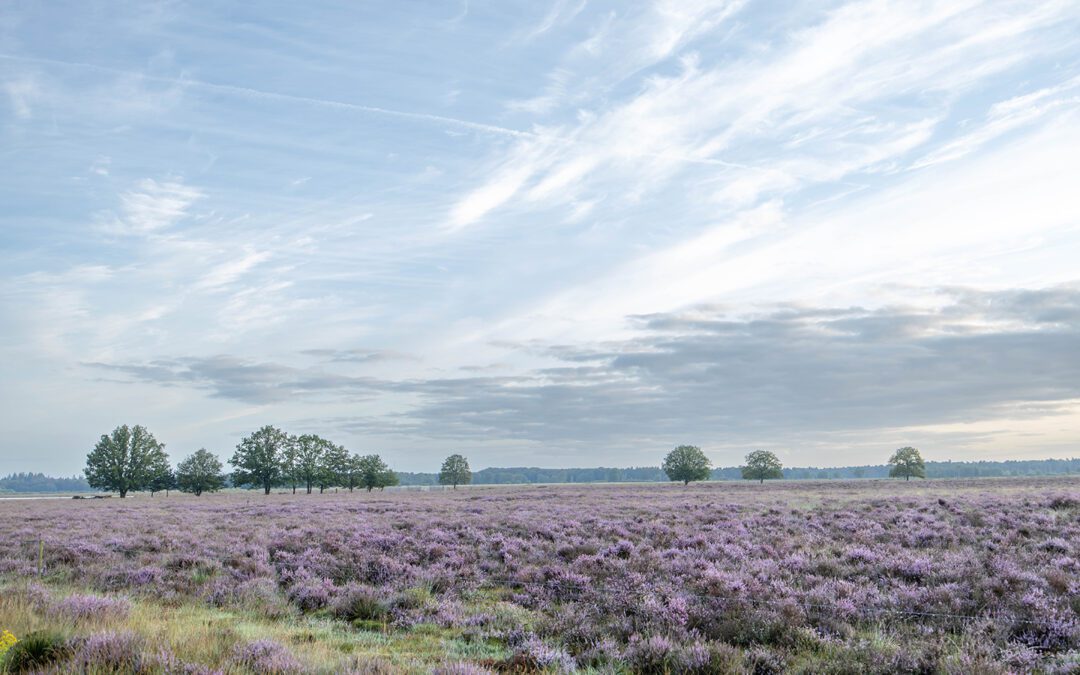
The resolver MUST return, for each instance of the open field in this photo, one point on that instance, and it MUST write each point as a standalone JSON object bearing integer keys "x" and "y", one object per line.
{"x": 869, "y": 576}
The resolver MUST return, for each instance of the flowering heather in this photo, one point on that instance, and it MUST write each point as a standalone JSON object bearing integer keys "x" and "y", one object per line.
{"x": 267, "y": 656}
{"x": 950, "y": 576}
{"x": 81, "y": 607}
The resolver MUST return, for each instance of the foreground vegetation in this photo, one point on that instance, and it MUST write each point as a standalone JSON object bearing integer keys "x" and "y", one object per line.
{"x": 945, "y": 576}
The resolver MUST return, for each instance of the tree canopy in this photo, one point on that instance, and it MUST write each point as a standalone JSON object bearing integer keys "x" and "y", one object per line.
{"x": 372, "y": 472}
{"x": 687, "y": 463}
{"x": 306, "y": 455}
{"x": 162, "y": 478}
{"x": 127, "y": 459}
{"x": 200, "y": 472}
{"x": 455, "y": 471}
{"x": 335, "y": 466}
{"x": 258, "y": 458}
{"x": 762, "y": 465}
{"x": 905, "y": 463}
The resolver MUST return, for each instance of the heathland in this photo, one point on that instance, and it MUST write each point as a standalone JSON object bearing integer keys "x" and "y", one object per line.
{"x": 862, "y": 576}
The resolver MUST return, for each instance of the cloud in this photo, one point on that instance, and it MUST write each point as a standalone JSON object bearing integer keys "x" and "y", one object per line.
{"x": 358, "y": 355}
{"x": 23, "y": 93}
{"x": 152, "y": 206}
{"x": 228, "y": 272}
{"x": 777, "y": 376}
{"x": 243, "y": 380}
{"x": 252, "y": 93}
{"x": 561, "y": 11}
{"x": 812, "y": 107}
{"x": 1004, "y": 117}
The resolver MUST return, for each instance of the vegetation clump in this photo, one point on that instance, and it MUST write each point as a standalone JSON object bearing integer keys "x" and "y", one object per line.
{"x": 762, "y": 465}
{"x": 37, "y": 650}
{"x": 687, "y": 463}
{"x": 907, "y": 463}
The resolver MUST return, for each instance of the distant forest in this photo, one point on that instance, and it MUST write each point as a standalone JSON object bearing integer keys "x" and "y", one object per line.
{"x": 39, "y": 482}
{"x": 500, "y": 476}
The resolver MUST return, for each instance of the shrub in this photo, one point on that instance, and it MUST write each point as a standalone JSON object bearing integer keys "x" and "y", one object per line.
{"x": 37, "y": 650}
{"x": 655, "y": 654}
{"x": 311, "y": 594}
{"x": 84, "y": 607}
{"x": 359, "y": 604}
{"x": 266, "y": 656}
{"x": 538, "y": 655}
{"x": 461, "y": 669}
{"x": 109, "y": 652}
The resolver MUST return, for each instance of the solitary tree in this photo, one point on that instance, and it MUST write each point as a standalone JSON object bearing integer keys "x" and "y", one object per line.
{"x": 687, "y": 463}
{"x": 200, "y": 472}
{"x": 762, "y": 464}
{"x": 372, "y": 472}
{"x": 257, "y": 460}
{"x": 907, "y": 462}
{"x": 125, "y": 460}
{"x": 455, "y": 471}
{"x": 307, "y": 455}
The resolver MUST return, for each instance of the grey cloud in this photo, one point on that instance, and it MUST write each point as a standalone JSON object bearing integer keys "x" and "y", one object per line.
{"x": 233, "y": 378}
{"x": 704, "y": 374}
{"x": 358, "y": 355}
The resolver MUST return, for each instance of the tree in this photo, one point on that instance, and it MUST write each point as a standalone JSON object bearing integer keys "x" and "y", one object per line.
{"x": 288, "y": 464}
{"x": 258, "y": 458}
{"x": 200, "y": 472}
{"x": 687, "y": 463}
{"x": 162, "y": 478}
{"x": 907, "y": 462}
{"x": 125, "y": 460}
{"x": 307, "y": 457}
{"x": 455, "y": 471}
{"x": 762, "y": 464}
{"x": 371, "y": 472}
{"x": 333, "y": 465}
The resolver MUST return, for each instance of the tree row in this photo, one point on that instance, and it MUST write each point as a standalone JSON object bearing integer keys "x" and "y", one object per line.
{"x": 688, "y": 463}
{"x": 131, "y": 459}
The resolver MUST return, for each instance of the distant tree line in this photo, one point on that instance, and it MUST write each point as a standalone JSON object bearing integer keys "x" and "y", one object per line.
{"x": 269, "y": 458}
{"x": 945, "y": 469}
{"x": 39, "y": 482}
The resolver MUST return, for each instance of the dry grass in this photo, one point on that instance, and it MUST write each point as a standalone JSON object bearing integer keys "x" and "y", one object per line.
{"x": 207, "y": 636}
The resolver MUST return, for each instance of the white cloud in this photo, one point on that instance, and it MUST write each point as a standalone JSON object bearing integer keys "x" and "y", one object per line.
{"x": 152, "y": 206}
{"x": 22, "y": 93}
{"x": 231, "y": 270}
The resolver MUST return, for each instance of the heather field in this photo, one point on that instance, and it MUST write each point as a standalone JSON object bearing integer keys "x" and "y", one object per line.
{"x": 844, "y": 577}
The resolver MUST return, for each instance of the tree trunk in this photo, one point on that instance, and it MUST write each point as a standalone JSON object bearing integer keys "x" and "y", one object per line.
{"x": 123, "y": 493}
{"x": 294, "y": 489}
{"x": 762, "y": 481}
{"x": 309, "y": 488}
{"x": 907, "y": 476}
{"x": 686, "y": 482}
{"x": 266, "y": 489}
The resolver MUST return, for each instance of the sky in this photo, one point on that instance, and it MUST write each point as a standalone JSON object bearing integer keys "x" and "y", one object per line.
{"x": 547, "y": 233}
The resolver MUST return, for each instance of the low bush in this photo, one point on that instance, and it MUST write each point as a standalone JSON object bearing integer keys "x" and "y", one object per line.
{"x": 37, "y": 650}
{"x": 359, "y": 604}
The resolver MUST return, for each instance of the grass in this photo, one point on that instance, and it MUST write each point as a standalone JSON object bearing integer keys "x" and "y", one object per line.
{"x": 207, "y": 636}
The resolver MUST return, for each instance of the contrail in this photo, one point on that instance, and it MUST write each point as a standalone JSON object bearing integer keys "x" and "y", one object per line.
{"x": 291, "y": 98}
